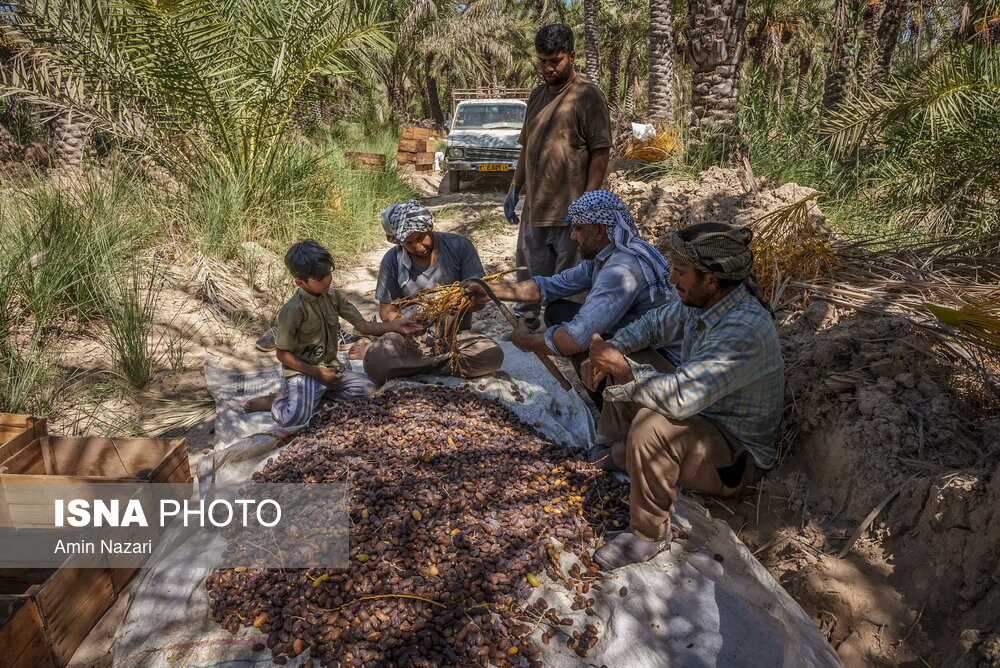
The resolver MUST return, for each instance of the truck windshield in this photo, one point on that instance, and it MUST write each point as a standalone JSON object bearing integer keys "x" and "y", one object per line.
{"x": 489, "y": 116}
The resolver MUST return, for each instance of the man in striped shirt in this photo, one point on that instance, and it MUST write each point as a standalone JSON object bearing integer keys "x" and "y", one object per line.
{"x": 709, "y": 424}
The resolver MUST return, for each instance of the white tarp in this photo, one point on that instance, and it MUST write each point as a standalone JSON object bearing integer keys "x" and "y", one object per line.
{"x": 706, "y": 602}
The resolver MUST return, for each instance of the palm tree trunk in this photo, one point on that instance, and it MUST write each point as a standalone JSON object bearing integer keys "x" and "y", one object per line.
{"x": 869, "y": 42}
{"x": 70, "y": 131}
{"x": 432, "y": 90}
{"x": 838, "y": 78}
{"x": 615, "y": 78}
{"x": 592, "y": 39}
{"x": 778, "y": 92}
{"x": 888, "y": 36}
{"x": 805, "y": 63}
{"x": 661, "y": 62}
{"x": 631, "y": 80}
{"x": 716, "y": 31}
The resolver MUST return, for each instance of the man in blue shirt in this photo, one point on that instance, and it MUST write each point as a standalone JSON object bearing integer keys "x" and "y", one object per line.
{"x": 711, "y": 423}
{"x": 626, "y": 277}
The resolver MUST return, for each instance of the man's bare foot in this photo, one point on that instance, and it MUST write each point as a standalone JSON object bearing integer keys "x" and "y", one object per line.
{"x": 258, "y": 404}
{"x": 358, "y": 350}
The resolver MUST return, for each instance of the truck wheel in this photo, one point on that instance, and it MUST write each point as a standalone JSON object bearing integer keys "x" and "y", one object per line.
{"x": 453, "y": 181}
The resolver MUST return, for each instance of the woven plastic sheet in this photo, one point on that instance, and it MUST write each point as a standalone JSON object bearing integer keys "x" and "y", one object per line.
{"x": 706, "y": 602}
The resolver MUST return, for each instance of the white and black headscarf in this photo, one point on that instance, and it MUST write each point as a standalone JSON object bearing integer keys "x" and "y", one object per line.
{"x": 602, "y": 207}
{"x": 401, "y": 220}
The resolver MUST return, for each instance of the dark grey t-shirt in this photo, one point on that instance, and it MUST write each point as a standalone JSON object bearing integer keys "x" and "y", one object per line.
{"x": 457, "y": 261}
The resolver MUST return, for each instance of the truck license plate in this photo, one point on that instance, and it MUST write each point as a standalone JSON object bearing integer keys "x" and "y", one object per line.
{"x": 493, "y": 168}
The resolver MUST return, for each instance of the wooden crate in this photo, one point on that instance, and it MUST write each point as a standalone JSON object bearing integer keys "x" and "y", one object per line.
{"x": 16, "y": 431}
{"x": 372, "y": 162}
{"x": 83, "y": 461}
{"x": 418, "y": 146}
{"x": 416, "y": 133}
{"x": 415, "y": 158}
{"x": 423, "y": 168}
{"x": 22, "y": 635}
{"x": 411, "y": 145}
{"x": 68, "y": 601}
{"x": 92, "y": 459}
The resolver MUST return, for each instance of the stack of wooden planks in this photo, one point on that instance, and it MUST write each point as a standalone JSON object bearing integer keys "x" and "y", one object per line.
{"x": 417, "y": 148}
{"x": 367, "y": 162}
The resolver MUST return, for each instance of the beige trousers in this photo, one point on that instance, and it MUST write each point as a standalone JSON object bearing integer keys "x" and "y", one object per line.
{"x": 661, "y": 454}
{"x": 392, "y": 356}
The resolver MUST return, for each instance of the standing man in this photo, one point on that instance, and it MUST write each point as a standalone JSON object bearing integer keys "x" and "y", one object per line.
{"x": 565, "y": 147}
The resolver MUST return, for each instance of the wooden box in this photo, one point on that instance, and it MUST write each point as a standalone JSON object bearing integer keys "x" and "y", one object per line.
{"x": 372, "y": 162}
{"x": 22, "y": 635}
{"x": 16, "y": 431}
{"x": 66, "y": 602}
{"x": 411, "y": 145}
{"x": 91, "y": 459}
{"x": 416, "y": 133}
{"x": 83, "y": 461}
{"x": 415, "y": 158}
{"x": 423, "y": 168}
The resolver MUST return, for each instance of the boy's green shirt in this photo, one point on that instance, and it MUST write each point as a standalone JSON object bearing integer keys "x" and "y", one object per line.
{"x": 308, "y": 326}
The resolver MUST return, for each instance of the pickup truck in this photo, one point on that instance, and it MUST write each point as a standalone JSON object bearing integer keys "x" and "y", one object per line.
{"x": 483, "y": 138}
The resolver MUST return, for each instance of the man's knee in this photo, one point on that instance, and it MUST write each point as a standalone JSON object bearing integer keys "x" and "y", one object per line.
{"x": 360, "y": 389}
{"x": 651, "y": 433}
{"x": 378, "y": 356}
{"x": 483, "y": 362}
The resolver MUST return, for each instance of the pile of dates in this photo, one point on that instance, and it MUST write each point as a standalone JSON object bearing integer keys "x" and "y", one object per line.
{"x": 457, "y": 509}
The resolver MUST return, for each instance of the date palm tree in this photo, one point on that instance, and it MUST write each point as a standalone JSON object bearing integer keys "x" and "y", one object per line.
{"x": 592, "y": 39}
{"x": 191, "y": 81}
{"x": 936, "y": 131}
{"x": 662, "y": 70}
{"x": 716, "y": 45}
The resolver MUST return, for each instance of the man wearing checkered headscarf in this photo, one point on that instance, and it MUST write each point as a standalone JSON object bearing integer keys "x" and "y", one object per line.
{"x": 623, "y": 275}
{"x": 710, "y": 422}
{"x": 601, "y": 207}
{"x": 421, "y": 259}
{"x": 401, "y": 220}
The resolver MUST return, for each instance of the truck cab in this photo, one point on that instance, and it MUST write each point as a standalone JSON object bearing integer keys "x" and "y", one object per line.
{"x": 483, "y": 138}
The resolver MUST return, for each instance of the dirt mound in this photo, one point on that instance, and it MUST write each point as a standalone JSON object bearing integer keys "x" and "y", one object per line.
{"x": 872, "y": 412}
{"x": 717, "y": 195}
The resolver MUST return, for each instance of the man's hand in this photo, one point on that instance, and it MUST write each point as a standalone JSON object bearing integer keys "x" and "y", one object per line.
{"x": 476, "y": 294}
{"x": 510, "y": 204}
{"x": 606, "y": 358}
{"x": 329, "y": 377}
{"x": 520, "y": 336}
{"x": 591, "y": 377}
{"x": 408, "y": 327}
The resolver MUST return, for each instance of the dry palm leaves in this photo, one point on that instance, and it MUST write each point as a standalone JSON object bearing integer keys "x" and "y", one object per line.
{"x": 657, "y": 148}
{"x": 978, "y": 321}
{"x": 788, "y": 247}
{"x": 443, "y": 307}
{"x": 905, "y": 280}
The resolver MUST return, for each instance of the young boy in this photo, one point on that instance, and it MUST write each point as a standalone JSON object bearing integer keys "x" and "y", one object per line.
{"x": 307, "y": 340}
